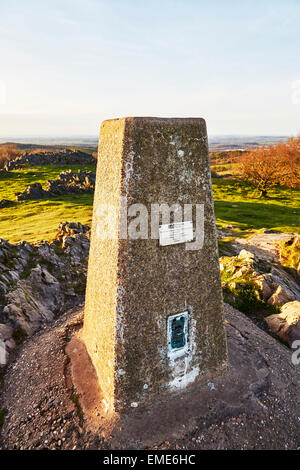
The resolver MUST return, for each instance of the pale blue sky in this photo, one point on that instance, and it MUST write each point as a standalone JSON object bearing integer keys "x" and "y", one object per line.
{"x": 66, "y": 65}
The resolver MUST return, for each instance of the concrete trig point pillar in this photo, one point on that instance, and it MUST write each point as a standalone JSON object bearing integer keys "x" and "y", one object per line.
{"x": 153, "y": 321}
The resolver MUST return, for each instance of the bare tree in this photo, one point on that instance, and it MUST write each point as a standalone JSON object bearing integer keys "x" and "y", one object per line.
{"x": 265, "y": 167}
{"x": 289, "y": 155}
{"x": 260, "y": 168}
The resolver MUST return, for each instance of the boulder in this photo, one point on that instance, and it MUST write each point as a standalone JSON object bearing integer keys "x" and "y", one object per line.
{"x": 70, "y": 182}
{"x": 286, "y": 325}
{"x": 264, "y": 286}
{"x": 282, "y": 295}
{"x": 33, "y": 191}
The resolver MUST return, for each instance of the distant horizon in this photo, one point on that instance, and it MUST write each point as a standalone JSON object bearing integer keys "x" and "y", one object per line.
{"x": 216, "y": 143}
{"x": 93, "y": 136}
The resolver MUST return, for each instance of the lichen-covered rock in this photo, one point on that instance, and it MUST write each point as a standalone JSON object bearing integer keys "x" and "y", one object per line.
{"x": 70, "y": 182}
{"x": 286, "y": 325}
{"x": 285, "y": 288}
{"x": 40, "y": 281}
{"x": 34, "y": 301}
{"x": 252, "y": 284}
{"x": 67, "y": 182}
{"x": 264, "y": 283}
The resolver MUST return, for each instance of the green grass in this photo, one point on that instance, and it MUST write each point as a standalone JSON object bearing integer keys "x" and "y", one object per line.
{"x": 238, "y": 204}
{"x": 235, "y": 204}
{"x": 38, "y": 220}
{"x": 17, "y": 180}
{"x": 224, "y": 169}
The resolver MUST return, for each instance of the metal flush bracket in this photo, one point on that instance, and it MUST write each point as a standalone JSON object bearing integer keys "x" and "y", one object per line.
{"x": 177, "y": 334}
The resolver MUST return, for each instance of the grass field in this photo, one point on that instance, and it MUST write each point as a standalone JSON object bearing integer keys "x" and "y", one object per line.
{"x": 235, "y": 204}
{"x": 38, "y": 220}
{"x": 239, "y": 205}
{"x": 225, "y": 168}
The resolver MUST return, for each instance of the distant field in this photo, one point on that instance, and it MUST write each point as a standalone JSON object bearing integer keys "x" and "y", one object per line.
{"x": 235, "y": 204}
{"x": 225, "y": 168}
{"x": 216, "y": 142}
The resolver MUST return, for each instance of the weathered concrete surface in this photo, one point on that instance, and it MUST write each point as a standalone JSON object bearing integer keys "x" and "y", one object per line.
{"x": 134, "y": 285}
{"x": 255, "y": 405}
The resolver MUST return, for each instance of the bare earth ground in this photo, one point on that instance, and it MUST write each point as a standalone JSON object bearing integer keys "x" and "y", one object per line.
{"x": 255, "y": 405}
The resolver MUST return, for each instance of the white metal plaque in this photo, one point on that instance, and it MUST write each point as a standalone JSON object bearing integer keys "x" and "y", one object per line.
{"x": 178, "y": 232}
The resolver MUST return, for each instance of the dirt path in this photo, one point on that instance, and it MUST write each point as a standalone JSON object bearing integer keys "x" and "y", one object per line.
{"x": 263, "y": 245}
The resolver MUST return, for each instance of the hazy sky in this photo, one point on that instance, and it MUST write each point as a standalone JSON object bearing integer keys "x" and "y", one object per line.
{"x": 66, "y": 65}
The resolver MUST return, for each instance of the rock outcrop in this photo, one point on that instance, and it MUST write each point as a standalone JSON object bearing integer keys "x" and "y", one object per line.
{"x": 270, "y": 282}
{"x": 262, "y": 288}
{"x": 38, "y": 282}
{"x": 67, "y": 182}
{"x": 33, "y": 191}
{"x": 70, "y": 182}
{"x": 286, "y": 324}
{"x": 59, "y": 157}
{"x": 6, "y": 203}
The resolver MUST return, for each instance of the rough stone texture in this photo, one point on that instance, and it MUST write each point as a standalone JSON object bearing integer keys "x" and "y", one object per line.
{"x": 33, "y": 191}
{"x": 286, "y": 325}
{"x": 134, "y": 285}
{"x": 274, "y": 284}
{"x": 70, "y": 182}
{"x": 6, "y": 203}
{"x": 34, "y": 301}
{"x": 281, "y": 296}
{"x": 67, "y": 182}
{"x": 255, "y": 405}
{"x": 40, "y": 281}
